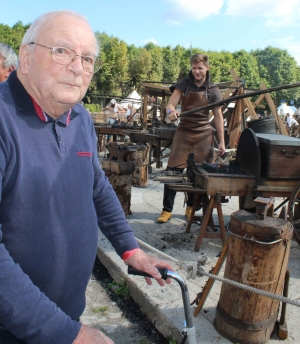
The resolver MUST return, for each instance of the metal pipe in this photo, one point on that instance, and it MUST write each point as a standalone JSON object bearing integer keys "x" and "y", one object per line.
{"x": 185, "y": 296}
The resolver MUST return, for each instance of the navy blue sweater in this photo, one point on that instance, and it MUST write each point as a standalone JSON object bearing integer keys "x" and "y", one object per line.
{"x": 53, "y": 197}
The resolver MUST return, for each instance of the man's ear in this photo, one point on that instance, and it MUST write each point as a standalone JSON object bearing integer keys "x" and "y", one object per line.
{"x": 9, "y": 70}
{"x": 24, "y": 58}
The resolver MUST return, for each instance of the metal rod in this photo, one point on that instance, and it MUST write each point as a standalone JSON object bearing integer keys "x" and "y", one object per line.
{"x": 241, "y": 96}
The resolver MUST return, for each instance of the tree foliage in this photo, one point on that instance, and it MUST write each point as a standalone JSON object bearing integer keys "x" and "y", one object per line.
{"x": 277, "y": 67}
{"x": 124, "y": 67}
{"x": 13, "y": 35}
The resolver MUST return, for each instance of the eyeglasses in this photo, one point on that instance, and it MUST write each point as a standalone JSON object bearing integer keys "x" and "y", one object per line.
{"x": 64, "y": 56}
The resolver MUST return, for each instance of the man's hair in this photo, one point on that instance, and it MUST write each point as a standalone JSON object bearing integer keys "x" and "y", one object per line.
{"x": 32, "y": 33}
{"x": 196, "y": 58}
{"x": 10, "y": 58}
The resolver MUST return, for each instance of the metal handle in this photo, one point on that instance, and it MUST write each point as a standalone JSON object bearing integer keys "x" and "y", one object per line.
{"x": 296, "y": 152}
{"x": 256, "y": 241}
{"x": 190, "y": 329}
{"x": 162, "y": 271}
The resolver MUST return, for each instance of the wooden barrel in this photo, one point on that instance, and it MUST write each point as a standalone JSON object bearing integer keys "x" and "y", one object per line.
{"x": 258, "y": 253}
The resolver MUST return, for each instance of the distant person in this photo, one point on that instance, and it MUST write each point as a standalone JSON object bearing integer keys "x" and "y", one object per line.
{"x": 8, "y": 61}
{"x": 194, "y": 133}
{"x": 131, "y": 113}
{"x": 114, "y": 110}
{"x": 54, "y": 194}
{"x": 288, "y": 122}
{"x": 291, "y": 124}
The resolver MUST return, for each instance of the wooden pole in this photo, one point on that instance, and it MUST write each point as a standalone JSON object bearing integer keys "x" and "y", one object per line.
{"x": 144, "y": 117}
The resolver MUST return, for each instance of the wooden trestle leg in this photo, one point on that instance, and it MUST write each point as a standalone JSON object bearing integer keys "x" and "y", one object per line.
{"x": 214, "y": 202}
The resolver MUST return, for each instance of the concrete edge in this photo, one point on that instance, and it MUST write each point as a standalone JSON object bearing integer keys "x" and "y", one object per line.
{"x": 151, "y": 310}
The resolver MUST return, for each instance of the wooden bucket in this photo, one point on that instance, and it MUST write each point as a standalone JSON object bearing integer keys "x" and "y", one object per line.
{"x": 258, "y": 253}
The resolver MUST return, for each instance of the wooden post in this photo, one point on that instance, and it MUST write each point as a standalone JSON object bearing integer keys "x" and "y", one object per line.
{"x": 251, "y": 110}
{"x": 163, "y": 106}
{"x": 144, "y": 117}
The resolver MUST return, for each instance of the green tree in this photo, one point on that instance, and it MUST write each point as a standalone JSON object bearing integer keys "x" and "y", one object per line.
{"x": 245, "y": 64}
{"x": 156, "y": 72}
{"x": 139, "y": 67}
{"x": 276, "y": 67}
{"x": 13, "y": 35}
{"x": 182, "y": 56}
{"x": 114, "y": 71}
{"x": 170, "y": 65}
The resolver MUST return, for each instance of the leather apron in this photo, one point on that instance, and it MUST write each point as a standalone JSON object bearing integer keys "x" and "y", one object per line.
{"x": 194, "y": 133}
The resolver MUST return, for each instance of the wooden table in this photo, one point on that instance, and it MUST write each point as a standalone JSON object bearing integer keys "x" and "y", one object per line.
{"x": 212, "y": 186}
{"x": 106, "y": 130}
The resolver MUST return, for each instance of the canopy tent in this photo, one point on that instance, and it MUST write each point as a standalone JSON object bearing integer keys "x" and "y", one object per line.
{"x": 283, "y": 109}
{"x": 134, "y": 99}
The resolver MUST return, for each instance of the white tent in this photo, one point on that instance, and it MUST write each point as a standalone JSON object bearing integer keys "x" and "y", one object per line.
{"x": 133, "y": 98}
{"x": 283, "y": 109}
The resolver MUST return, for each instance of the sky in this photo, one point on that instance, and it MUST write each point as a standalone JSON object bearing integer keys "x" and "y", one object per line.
{"x": 229, "y": 25}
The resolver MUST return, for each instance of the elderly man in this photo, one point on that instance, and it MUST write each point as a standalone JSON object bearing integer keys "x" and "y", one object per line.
{"x": 8, "y": 61}
{"x": 54, "y": 194}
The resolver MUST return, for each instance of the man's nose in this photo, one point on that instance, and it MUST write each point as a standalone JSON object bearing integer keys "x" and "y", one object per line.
{"x": 76, "y": 63}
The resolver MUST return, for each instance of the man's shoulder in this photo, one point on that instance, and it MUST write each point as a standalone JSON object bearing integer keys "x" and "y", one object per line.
{"x": 4, "y": 90}
{"x": 181, "y": 84}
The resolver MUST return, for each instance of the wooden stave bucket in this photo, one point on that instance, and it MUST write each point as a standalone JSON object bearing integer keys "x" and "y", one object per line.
{"x": 243, "y": 316}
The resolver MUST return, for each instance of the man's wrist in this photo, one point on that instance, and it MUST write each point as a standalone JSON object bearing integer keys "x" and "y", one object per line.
{"x": 170, "y": 111}
{"x": 128, "y": 254}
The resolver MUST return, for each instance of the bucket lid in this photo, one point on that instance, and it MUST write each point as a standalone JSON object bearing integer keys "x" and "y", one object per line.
{"x": 263, "y": 125}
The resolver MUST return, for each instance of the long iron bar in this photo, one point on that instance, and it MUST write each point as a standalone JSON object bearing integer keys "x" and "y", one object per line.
{"x": 241, "y": 96}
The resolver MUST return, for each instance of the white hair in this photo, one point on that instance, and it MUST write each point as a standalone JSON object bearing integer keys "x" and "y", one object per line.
{"x": 32, "y": 33}
{"x": 10, "y": 58}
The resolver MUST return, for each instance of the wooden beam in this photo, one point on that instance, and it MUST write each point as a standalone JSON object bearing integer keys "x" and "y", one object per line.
{"x": 258, "y": 100}
{"x": 251, "y": 110}
{"x": 156, "y": 87}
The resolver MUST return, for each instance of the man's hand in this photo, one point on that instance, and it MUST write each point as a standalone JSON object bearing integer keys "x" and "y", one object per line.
{"x": 89, "y": 335}
{"x": 221, "y": 149}
{"x": 143, "y": 261}
{"x": 173, "y": 116}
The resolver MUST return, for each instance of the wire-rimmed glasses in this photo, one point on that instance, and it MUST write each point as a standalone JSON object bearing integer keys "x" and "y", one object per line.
{"x": 64, "y": 56}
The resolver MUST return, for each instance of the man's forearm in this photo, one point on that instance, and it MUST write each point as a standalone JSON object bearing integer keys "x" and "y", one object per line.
{"x": 219, "y": 125}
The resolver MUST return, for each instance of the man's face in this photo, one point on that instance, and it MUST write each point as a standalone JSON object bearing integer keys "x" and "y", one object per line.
{"x": 199, "y": 71}
{"x": 54, "y": 86}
